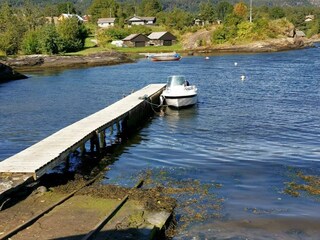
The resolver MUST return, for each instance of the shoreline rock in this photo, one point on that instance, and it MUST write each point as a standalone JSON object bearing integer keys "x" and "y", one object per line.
{"x": 8, "y": 74}
{"x": 35, "y": 62}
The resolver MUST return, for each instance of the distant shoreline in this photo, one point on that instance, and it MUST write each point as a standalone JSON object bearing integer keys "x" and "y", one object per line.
{"x": 272, "y": 45}
{"x": 38, "y": 62}
{"x": 31, "y": 63}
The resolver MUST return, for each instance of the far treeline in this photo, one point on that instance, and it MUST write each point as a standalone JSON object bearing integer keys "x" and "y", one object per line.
{"x": 24, "y": 28}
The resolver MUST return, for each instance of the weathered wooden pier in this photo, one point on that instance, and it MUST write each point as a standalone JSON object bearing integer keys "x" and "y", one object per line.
{"x": 35, "y": 161}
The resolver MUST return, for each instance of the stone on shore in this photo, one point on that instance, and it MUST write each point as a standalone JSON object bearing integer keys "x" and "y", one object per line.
{"x": 8, "y": 74}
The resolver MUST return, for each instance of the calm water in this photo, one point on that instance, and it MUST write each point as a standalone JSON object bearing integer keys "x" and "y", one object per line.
{"x": 244, "y": 139}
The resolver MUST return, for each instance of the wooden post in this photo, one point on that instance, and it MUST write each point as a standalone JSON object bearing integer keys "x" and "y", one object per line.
{"x": 94, "y": 143}
{"x": 102, "y": 139}
{"x": 118, "y": 127}
{"x": 111, "y": 133}
{"x": 67, "y": 166}
{"x": 82, "y": 149}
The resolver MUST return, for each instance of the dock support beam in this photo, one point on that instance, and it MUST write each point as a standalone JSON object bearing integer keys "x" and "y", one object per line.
{"x": 102, "y": 139}
{"x": 94, "y": 143}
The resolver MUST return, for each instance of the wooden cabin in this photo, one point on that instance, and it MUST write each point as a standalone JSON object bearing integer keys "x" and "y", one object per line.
{"x": 162, "y": 39}
{"x": 136, "y": 40}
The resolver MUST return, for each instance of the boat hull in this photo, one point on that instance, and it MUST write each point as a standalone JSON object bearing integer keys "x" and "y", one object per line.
{"x": 181, "y": 101}
{"x": 158, "y": 59}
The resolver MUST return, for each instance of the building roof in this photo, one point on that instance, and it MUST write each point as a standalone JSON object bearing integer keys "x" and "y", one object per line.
{"x": 138, "y": 19}
{"x": 130, "y": 37}
{"x": 156, "y": 35}
{"x": 68, "y": 15}
{"x": 161, "y": 36}
{"x": 137, "y": 37}
{"x": 106, "y": 20}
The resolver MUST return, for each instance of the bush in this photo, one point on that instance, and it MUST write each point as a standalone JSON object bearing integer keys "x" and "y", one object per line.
{"x": 30, "y": 43}
{"x": 245, "y": 30}
{"x": 72, "y": 35}
{"x": 115, "y": 33}
{"x": 220, "y": 35}
{"x": 49, "y": 40}
{"x": 103, "y": 38}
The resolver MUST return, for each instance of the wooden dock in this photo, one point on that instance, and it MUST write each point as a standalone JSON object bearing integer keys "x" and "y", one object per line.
{"x": 43, "y": 156}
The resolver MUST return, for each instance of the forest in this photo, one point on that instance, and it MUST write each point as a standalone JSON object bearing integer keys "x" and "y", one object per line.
{"x": 24, "y": 28}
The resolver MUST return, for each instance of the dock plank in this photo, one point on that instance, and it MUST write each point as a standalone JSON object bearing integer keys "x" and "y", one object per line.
{"x": 52, "y": 148}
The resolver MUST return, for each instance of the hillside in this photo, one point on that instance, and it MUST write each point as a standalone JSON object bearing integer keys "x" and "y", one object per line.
{"x": 190, "y": 5}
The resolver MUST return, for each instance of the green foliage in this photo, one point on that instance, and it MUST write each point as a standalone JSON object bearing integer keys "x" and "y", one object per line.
{"x": 219, "y": 36}
{"x": 103, "y": 38}
{"x": 223, "y": 34}
{"x": 49, "y": 41}
{"x": 150, "y": 7}
{"x": 65, "y": 7}
{"x": 176, "y": 19}
{"x": 31, "y": 43}
{"x": 102, "y": 9}
{"x": 276, "y": 13}
{"x": 140, "y": 29}
{"x": 72, "y": 34}
{"x": 245, "y": 30}
{"x": 313, "y": 28}
{"x": 115, "y": 33}
{"x": 207, "y": 12}
{"x": 223, "y": 10}
{"x": 236, "y": 29}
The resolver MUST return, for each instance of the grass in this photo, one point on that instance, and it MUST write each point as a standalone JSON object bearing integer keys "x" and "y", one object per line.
{"x": 91, "y": 48}
{"x": 176, "y": 47}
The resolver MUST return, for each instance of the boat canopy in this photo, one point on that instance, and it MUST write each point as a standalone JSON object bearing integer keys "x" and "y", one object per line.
{"x": 176, "y": 81}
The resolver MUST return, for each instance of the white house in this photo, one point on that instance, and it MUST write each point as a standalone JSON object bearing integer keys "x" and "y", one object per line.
{"x": 136, "y": 20}
{"x": 106, "y": 22}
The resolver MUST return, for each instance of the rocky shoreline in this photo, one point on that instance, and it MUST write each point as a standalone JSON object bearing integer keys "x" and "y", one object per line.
{"x": 272, "y": 45}
{"x": 10, "y": 65}
{"x": 56, "y": 61}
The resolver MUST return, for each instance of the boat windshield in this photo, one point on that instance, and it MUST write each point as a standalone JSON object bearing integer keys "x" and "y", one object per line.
{"x": 176, "y": 81}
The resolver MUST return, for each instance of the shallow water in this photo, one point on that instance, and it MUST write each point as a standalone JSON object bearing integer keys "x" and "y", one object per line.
{"x": 248, "y": 137}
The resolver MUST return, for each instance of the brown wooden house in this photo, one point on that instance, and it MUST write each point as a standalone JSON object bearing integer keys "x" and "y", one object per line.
{"x": 136, "y": 40}
{"x": 162, "y": 39}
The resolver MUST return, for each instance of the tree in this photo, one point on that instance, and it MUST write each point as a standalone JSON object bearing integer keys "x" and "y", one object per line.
{"x": 66, "y": 7}
{"x": 31, "y": 43}
{"x": 11, "y": 30}
{"x": 223, "y": 10}
{"x": 240, "y": 10}
{"x": 32, "y": 16}
{"x": 49, "y": 40}
{"x": 72, "y": 34}
{"x": 178, "y": 19}
{"x": 276, "y": 13}
{"x": 207, "y": 12}
{"x": 150, "y": 7}
{"x": 102, "y": 8}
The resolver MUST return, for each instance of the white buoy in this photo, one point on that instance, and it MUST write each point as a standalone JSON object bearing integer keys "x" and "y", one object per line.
{"x": 207, "y": 58}
{"x": 243, "y": 77}
{"x": 235, "y": 63}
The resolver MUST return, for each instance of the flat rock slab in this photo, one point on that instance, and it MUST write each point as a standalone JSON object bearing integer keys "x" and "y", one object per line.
{"x": 78, "y": 216}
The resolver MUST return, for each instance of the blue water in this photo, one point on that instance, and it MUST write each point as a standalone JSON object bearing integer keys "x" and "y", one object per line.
{"x": 250, "y": 137}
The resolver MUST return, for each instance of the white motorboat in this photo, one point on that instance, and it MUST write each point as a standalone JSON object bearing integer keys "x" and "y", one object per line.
{"x": 178, "y": 93}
